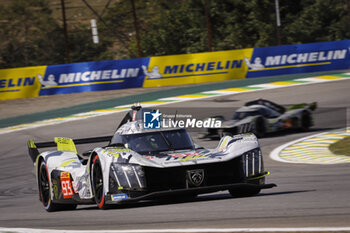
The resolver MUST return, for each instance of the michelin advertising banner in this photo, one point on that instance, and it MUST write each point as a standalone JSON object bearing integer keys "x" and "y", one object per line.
{"x": 196, "y": 68}
{"x": 302, "y": 58}
{"x": 20, "y": 82}
{"x": 93, "y": 76}
{"x": 173, "y": 70}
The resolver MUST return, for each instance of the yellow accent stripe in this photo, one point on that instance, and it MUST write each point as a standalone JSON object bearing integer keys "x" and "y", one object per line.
{"x": 259, "y": 177}
{"x": 191, "y": 96}
{"x": 123, "y": 108}
{"x": 154, "y": 102}
{"x": 107, "y": 110}
{"x": 67, "y": 162}
{"x": 291, "y": 66}
{"x": 328, "y": 77}
{"x": 224, "y": 143}
{"x": 31, "y": 144}
{"x": 83, "y": 84}
{"x": 236, "y": 89}
{"x": 283, "y": 83}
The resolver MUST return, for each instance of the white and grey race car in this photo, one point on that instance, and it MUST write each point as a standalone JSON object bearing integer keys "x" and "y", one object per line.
{"x": 262, "y": 117}
{"x": 144, "y": 164}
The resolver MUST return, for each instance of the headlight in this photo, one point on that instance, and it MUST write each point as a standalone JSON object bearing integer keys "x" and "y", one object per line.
{"x": 252, "y": 163}
{"x": 128, "y": 175}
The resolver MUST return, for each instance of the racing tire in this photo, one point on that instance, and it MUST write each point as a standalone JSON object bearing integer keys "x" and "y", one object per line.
{"x": 45, "y": 194}
{"x": 97, "y": 183}
{"x": 295, "y": 123}
{"x": 305, "y": 121}
{"x": 248, "y": 192}
{"x": 259, "y": 128}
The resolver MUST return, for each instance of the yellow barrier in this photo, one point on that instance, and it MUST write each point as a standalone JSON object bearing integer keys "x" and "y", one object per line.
{"x": 196, "y": 68}
{"x": 20, "y": 82}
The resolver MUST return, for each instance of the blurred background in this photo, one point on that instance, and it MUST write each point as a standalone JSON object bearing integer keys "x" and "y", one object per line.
{"x": 46, "y": 32}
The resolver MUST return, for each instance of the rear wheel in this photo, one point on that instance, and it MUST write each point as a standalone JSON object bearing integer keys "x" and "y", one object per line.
{"x": 305, "y": 123}
{"x": 259, "y": 128}
{"x": 97, "y": 183}
{"x": 45, "y": 194}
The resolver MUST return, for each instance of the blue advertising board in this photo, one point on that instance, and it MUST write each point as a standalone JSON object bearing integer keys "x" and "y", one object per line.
{"x": 301, "y": 58}
{"x": 93, "y": 76}
{"x": 194, "y": 68}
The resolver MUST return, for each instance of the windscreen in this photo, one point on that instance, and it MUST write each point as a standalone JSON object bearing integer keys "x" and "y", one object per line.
{"x": 241, "y": 115}
{"x": 153, "y": 142}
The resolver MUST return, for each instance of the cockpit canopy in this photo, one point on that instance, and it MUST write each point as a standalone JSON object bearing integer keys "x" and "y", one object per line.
{"x": 155, "y": 141}
{"x": 255, "y": 110}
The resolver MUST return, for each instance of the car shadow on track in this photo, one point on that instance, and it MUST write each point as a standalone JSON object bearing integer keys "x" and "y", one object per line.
{"x": 284, "y": 133}
{"x": 181, "y": 200}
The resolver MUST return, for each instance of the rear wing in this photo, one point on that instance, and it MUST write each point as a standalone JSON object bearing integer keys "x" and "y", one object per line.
{"x": 64, "y": 144}
{"x": 267, "y": 103}
{"x": 312, "y": 106}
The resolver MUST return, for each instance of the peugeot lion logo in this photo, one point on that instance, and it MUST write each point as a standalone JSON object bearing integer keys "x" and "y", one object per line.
{"x": 195, "y": 177}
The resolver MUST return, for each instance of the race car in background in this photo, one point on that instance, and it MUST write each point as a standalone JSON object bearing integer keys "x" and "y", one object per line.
{"x": 263, "y": 116}
{"x": 144, "y": 164}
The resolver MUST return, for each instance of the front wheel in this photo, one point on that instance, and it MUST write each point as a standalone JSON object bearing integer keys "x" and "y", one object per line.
{"x": 244, "y": 193}
{"x": 250, "y": 191}
{"x": 97, "y": 183}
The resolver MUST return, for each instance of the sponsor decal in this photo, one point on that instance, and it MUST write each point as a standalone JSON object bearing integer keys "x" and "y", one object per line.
{"x": 20, "y": 82}
{"x": 17, "y": 82}
{"x": 216, "y": 66}
{"x": 88, "y": 76}
{"x": 66, "y": 185}
{"x": 115, "y": 152}
{"x": 92, "y": 76}
{"x": 152, "y": 74}
{"x": 301, "y": 58}
{"x": 296, "y": 58}
{"x": 196, "y": 68}
{"x": 118, "y": 197}
{"x": 186, "y": 156}
{"x": 150, "y": 157}
{"x": 50, "y": 81}
{"x": 206, "y": 68}
{"x": 195, "y": 177}
{"x": 55, "y": 185}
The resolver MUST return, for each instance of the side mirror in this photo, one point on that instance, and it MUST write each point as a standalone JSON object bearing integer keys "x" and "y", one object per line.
{"x": 196, "y": 147}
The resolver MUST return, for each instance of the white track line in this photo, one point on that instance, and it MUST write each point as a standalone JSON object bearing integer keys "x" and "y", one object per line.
{"x": 275, "y": 154}
{"x": 303, "y": 150}
{"x": 191, "y": 230}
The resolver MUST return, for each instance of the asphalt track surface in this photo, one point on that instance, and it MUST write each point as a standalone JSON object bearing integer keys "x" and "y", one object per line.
{"x": 306, "y": 196}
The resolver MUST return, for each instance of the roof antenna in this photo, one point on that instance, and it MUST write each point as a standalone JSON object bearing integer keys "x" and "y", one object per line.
{"x": 136, "y": 106}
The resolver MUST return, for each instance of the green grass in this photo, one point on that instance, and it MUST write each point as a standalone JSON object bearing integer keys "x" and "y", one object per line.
{"x": 76, "y": 10}
{"x": 341, "y": 147}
